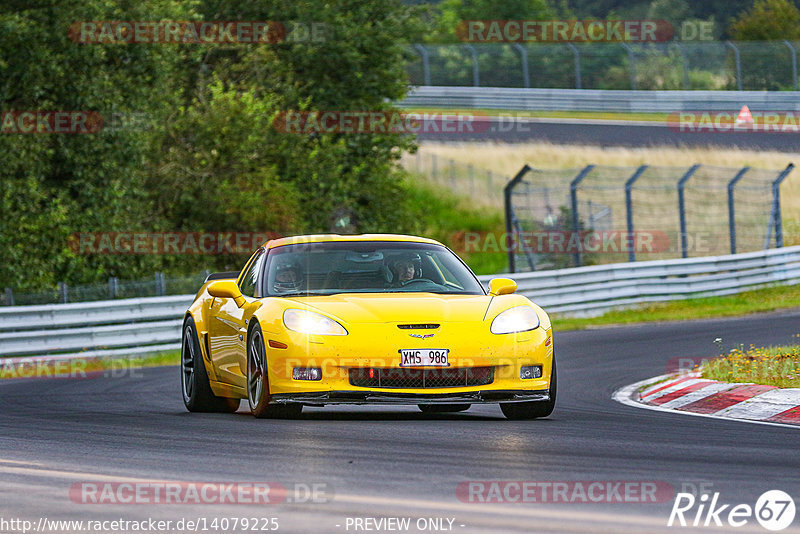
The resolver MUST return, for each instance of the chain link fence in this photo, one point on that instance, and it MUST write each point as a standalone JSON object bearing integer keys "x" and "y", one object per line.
{"x": 602, "y": 214}
{"x": 755, "y": 66}
{"x": 481, "y": 186}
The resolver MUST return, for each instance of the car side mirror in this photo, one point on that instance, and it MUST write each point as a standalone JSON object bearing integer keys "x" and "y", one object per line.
{"x": 502, "y": 286}
{"x": 226, "y": 289}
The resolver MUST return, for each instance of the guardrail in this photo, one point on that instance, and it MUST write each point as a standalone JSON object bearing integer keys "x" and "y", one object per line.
{"x": 123, "y": 327}
{"x": 599, "y": 100}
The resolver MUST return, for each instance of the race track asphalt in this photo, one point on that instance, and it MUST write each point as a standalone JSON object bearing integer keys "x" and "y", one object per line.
{"x": 605, "y": 133}
{"x": 395, "y": 461}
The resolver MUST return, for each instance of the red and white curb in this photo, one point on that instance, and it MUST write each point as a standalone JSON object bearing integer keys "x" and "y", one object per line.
{"x": 689, "y": 394}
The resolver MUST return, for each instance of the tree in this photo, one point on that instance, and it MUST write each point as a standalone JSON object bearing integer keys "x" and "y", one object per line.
{"x": 767, "y": 20}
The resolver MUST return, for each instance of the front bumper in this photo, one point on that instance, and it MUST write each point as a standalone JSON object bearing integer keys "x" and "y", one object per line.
{"x": 370, "y": 397}
{"x": 376, "y": 346}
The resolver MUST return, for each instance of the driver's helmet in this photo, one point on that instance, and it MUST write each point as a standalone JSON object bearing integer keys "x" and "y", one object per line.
{"x": 288, "y": 276}
{"x": 405, "y": 267}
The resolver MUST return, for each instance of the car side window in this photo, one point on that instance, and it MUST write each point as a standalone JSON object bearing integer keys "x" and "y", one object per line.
{"x": 248, "y": 280}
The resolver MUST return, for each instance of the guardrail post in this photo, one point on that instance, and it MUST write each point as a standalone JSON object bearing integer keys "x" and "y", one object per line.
{"x": 453, "y": 174}
{"x": 573, "y": 195}
{"x": 489, "y": 182}
{"x": 63, "y": 292}
{"x": 113, "y": 287}
{"x": 9, "y": 297}
{"x": 476, "y": 76}
{"x": 434, "y": 168}
{"x": 523, "y": 57}
{"x": 732, "y": 207}
{"x": 632, "y": 66}
{"x": 426, "y": 64}
{"x": 629, "y": 210}
{"x": 682, "y": 210}
{"x": 794, "y": 63}
{"x": 576, "y": 53}
{"x": 738, "y": 57}
{"x": 509, "y": 212}
{"x": 776, "y": 204}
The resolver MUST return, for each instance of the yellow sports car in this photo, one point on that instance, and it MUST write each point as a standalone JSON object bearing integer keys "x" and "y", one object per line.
{"x": 364, "y": 319}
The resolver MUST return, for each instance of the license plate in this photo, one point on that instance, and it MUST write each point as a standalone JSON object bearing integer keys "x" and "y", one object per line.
{"x": 424, "y": 357}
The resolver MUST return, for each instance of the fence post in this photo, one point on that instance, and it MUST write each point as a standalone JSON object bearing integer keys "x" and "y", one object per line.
{"x": 489, "y": 182}
{"x": 9, "y": 297}
{"x": 523, "y": 56}
{"x": 434, "y": 168}
{"x": 629, "y": 210}
{"x": 63, "y": 292}
{"x": 573, "y": 194}
{"x": 738, "y": 57}
{"x": 426, "y": 64}
{"x": 732, "y": 207}
{"x": 794, "y": 63}
{"x": 576, "y": 53}
{"x": 684, "y": 66}
{"x": 476, "y": 76}
{"x": 471, "y": 174}
{"x": 453, "y": 175}
{"x": 160, "y": 284}
{"x": 113, "y": 286}
{"x": 509, "y": 211}
{"x": 632, "y": 66}
{"x": 682, "y": 210}
{"x": 776, "y": 204}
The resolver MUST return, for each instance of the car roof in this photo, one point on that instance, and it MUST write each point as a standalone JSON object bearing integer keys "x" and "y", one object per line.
{"x": 323, "y": 238}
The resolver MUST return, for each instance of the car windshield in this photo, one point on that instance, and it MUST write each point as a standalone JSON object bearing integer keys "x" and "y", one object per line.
{"x": 328, "y": 268}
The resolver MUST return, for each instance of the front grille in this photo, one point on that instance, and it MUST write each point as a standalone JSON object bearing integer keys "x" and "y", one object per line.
{"x": 425, "y": 326}
{"x": 421, "y": 378}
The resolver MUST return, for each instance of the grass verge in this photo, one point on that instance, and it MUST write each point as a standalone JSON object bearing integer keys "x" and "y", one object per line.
{"x": 444, "y": 216}
{"x": 89, "y": 367}
{"x": 770, "y": 366}
{"x": 754, "y": 301}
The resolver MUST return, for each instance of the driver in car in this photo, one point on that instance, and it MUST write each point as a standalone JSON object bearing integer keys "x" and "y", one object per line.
{"x": 287, "y": 278}
{"x": 404, "y": 270}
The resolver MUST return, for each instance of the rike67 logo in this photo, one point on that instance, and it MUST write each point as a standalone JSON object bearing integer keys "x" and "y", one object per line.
{"x": 774, "y": 510}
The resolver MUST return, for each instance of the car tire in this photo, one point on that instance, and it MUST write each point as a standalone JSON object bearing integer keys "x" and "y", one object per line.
{"x": 443, "y": 408}
{"x": 258, "y": 396}
{"x": 195, "y": 386}
{"x": 534, "y": 409}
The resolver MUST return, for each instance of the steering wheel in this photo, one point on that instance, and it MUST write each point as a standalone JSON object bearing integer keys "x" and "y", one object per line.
{"x": 417, "y": 280}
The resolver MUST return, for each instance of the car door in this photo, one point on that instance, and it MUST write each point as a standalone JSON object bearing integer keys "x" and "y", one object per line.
{"x": 229, "y": 325}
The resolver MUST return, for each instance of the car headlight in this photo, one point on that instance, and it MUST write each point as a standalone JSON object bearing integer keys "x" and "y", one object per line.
{"x": 517, "y": 319}
{"x": 307, "y": 322}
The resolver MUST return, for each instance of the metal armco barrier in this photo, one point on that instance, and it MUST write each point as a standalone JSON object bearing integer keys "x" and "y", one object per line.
{"x": 622, "y": 101}
{"x": 122, "y": 327}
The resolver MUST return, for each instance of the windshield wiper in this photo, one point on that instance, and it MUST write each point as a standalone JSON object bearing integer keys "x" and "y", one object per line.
{"x": 306, "y": 294}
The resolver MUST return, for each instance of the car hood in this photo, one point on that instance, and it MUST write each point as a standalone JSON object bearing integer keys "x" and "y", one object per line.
{"x": 400, "y": 308}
